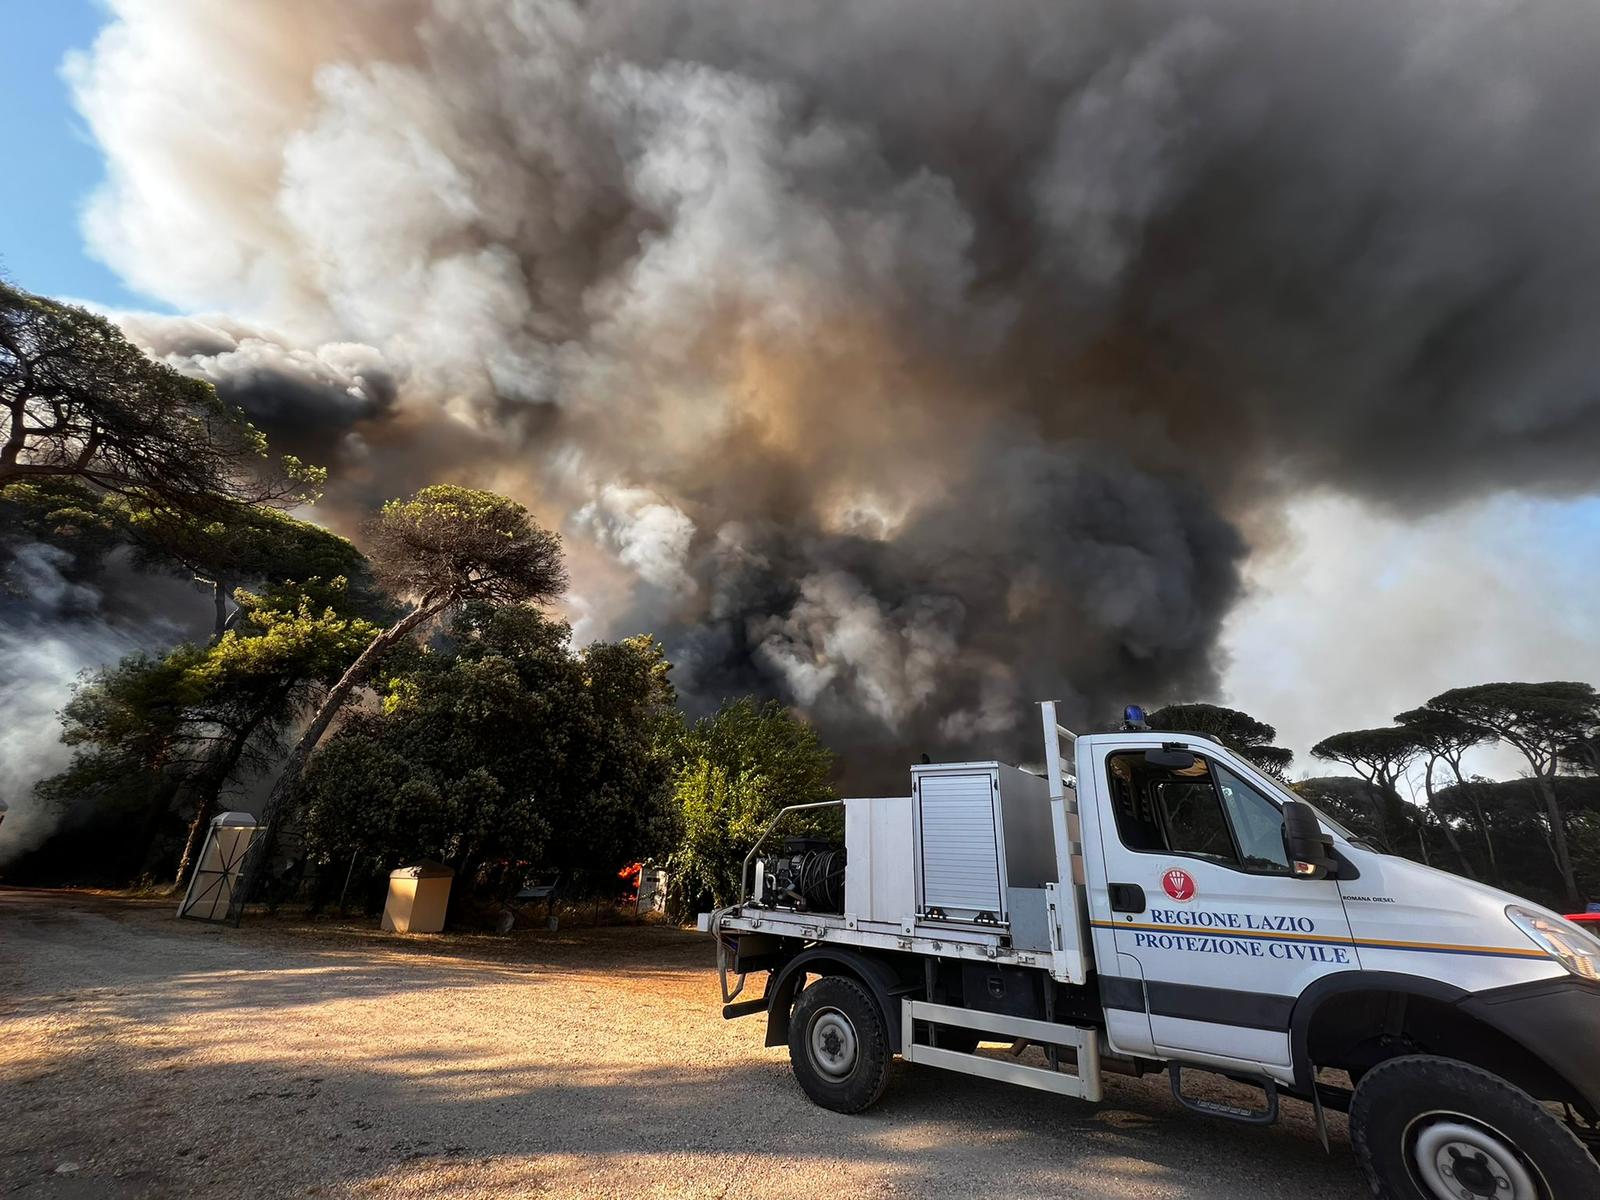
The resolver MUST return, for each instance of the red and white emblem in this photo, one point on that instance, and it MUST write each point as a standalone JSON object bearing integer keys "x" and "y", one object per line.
{"x": 1178, "y": 884}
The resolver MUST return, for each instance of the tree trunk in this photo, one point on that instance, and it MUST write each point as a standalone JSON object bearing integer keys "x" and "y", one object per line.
{"x": 465, "y": 866}
{"x": 191, "y": 844}
{"x": 1422, "y": 814}
{"x": 1488, "y": 834}
{"x": 212, "y": 777}
{"x": 1471, "y": 791}
{"x": 1558, "y": 838}
{"x": 158, "y": 803}
{"x": 294, "y": 765}
{"x": 144, "y": 860}
{"x": 1541, "y": 822}
{"x": 345, "y": 890}
{"x": 1449, "y": 830}
{"x": 219, "y": 608}
{"x": 1454, "y": 839}
{"x": 1380, "y": 809}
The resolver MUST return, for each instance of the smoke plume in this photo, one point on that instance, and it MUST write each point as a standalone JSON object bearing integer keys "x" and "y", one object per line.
{"x": 62, "y": 616}
{"x": 906, "y": 360}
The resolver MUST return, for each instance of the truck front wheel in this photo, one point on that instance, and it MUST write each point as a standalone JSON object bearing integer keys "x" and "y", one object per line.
{"x": 838, "y": 1045}
{"x": 1428, "y": 1128}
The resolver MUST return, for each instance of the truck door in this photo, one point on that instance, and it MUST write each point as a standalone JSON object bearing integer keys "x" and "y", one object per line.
{"x": 1203, "y": 899}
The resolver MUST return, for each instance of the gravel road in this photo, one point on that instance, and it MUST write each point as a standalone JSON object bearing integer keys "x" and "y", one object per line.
{"x": 142, "y": 1056}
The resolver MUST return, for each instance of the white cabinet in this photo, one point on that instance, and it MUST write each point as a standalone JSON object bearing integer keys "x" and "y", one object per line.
{"x": 878, "y": 879}
{"x": 981, "y": 829}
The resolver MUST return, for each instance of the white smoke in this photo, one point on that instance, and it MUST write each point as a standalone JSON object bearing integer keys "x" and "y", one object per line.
{"x": 838, "y": 627}
{"x": 647, "y": 534}
{"x": 52, "y": 630}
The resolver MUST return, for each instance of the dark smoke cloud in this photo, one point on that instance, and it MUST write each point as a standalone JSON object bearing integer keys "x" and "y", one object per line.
{"x": 1116, "y": 573}
{"x": 907, "y": 360}
{"x": 305, "y": 400}
{"x": 333, "y": 404}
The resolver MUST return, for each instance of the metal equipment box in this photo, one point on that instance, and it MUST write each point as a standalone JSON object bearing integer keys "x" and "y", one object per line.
{"x": 982, "y": 831}
{"x": 878, "y": 880}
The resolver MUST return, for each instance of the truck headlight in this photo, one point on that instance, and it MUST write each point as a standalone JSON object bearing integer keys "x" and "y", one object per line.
{"x": 1561, "y": 940}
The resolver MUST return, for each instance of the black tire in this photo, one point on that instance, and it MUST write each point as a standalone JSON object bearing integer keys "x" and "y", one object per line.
{"x": 838, "y": 1045}
{"x": 1412, "y": 1119}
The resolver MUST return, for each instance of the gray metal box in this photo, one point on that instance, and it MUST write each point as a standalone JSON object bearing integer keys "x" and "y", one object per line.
{"x": 980, "y": 828}
{"x": 1029, "y": 913}
{"x": 878, "y": 883}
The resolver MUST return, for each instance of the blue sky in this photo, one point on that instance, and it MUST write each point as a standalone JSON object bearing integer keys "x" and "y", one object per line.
{"x": 41, "y": 248}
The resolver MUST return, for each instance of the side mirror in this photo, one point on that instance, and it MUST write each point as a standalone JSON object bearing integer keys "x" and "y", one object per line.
{"x": 1310, "y": 850}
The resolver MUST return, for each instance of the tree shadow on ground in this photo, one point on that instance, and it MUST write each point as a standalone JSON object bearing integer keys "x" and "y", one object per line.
{"x": 291, "y": 1067}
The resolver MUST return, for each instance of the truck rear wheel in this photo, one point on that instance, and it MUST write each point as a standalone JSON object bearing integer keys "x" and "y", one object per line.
{"x": 838, "y": 1045}
{"x": 1428, "y": 1128}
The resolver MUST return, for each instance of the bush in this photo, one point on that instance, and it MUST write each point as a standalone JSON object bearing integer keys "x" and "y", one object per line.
{"x": 732, "y": 773}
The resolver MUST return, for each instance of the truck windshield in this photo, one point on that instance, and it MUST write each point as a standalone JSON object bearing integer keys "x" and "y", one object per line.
{"x": 1355, "y": 839}
{"x": 1257, "y": 822}
{"x": 1339, "y": 830}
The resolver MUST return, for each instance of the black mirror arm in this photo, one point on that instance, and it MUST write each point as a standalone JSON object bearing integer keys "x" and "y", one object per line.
{"x": 1309, "y": 849}
{"x": 1343, "y": 869}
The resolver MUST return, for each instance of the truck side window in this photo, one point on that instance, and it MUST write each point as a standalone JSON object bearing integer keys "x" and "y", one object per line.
{"x": 1159, "y": 809}
{"x": 1138, "y": 823}
{"x": 1195, "y": 822}
{"x": 1257, "y": 823}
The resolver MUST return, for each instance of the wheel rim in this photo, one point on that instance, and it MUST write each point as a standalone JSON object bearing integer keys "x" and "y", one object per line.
{"x": 832, "y": 1039}
{"x": 1453, "y": 1157}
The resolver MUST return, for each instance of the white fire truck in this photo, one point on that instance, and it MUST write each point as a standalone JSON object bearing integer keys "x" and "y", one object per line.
{"x": 1153, "y": 903}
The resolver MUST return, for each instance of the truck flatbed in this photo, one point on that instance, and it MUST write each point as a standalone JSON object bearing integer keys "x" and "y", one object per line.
{"x": 934, "y": 942}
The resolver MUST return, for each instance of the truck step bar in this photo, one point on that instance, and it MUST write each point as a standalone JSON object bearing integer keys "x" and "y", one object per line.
{"x": 1085, "y": 1084}
{"x": 1228, "y": 1112}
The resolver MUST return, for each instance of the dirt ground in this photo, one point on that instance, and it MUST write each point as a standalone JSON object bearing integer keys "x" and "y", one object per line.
{"x": 142, "y": 1056}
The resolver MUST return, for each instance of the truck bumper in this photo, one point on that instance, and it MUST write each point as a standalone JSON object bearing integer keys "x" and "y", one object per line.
{"x": 1556, "y": 1020}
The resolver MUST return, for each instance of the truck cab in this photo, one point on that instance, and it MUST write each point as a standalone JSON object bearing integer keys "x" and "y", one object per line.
{"x": 1151, "y": 902}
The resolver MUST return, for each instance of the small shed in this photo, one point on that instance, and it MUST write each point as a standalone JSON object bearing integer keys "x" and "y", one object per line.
{"x": 418, "y": 897}
{"x": 652, "y": 896}
{"x": 220, "y": 869}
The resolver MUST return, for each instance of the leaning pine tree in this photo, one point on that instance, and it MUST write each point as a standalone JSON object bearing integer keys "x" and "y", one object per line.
{"x": 444, "y": 547}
